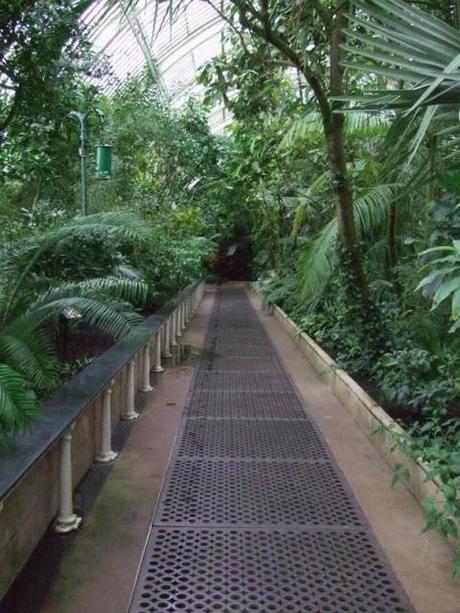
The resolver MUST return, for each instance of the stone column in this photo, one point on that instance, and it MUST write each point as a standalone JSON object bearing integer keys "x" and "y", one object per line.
{"x": 130, "y": 392}
{"x": 166, "y": 346}
{"x": 173, "y": 328}
{"x": 66, "y": 520}
{"x": 106, "y": 454}
{"x": 179, "y": 321}
{"x": 158, "y": 366}
{"x": 146, "y": 387}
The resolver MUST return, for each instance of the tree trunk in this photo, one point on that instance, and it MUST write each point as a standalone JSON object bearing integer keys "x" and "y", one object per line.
{"x": 391, "y": 237}
{"x": 335, "y": 142}
{"x": 351, "y": 249}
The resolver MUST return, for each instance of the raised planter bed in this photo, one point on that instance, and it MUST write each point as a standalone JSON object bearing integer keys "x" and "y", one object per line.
{"x": 41, "y": 468}
{"x": 378, "y": 425}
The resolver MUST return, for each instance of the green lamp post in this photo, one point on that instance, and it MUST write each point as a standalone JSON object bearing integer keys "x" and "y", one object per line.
{"x": 84, "y": 171}
{"x": 103, "y": 158}
{"x": 104, "y": 161}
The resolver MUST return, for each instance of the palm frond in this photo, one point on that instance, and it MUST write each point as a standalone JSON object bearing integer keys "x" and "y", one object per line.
{"x": 308, "y": 126}
{"x": 320, "y": 184}
{"x": 358, "y": 124}
{"x": 403, "y": 43}
{"x": 18, "y": 404}
{"x": 319, "y": 258}
{"x": 118, "y": 288}
{"x": 113, "y": 318}
{"x": 30, "y": 352}
{"x": 18, "y": 260}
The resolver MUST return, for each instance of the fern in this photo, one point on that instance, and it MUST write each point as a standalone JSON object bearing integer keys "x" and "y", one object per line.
{"x": 18, "y": 404}
{"x": 18, "y": 260}
{"x": 29, "y": 351}
{"x": 29, "y": 304}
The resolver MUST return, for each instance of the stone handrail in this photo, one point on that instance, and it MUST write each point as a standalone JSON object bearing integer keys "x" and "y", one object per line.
{"x": 40, "y": 468}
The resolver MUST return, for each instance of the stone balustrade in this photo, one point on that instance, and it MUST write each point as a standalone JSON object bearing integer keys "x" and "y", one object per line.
{"x": 40, "y": 469}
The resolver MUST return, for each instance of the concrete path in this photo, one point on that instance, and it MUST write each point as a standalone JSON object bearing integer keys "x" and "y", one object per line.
{"x": 98, "y": 573}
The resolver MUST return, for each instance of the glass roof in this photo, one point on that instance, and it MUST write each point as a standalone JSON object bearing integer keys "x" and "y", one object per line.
{"x": 174, "y": 48}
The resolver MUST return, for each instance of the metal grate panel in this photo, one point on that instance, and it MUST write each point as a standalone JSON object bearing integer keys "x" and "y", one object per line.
{"x": 234, "y": 405}
{"x": 282, "y": 494}
{"x": 248, "y": 364}
{"x": 231, "y": 349}
{"x": 254, "y": 514}
{"x": 261, "y": 571}
{"x": 240, "y": 381}
{"x": 250, "y": 439}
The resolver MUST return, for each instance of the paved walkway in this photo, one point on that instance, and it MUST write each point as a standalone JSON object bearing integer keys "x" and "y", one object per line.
{"x": 97, "y": 573}
{"x": 255, "y": 514}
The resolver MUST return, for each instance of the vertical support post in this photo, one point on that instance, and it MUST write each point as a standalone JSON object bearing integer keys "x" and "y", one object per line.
{"x": 187, "y": 310}
{"x": 106, "y": 453}
{"x": 158, "y": 366}
{"x": 66, "y": 520}
{"x": 182, "y": 310}
{"x": 173, "y": 329}
{"x": 146, "y": 387}
{"x": 194, "y": 301}
{"x": 179, "y": 322}
{"x": 130, "y": 392}
{"x": 84, "y": 169}
{"x": 166, "y": 347}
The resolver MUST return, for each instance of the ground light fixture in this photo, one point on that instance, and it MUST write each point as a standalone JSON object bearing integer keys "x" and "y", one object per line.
{"x": 103, "y": 157}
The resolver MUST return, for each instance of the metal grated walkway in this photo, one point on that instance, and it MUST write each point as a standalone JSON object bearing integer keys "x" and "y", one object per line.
{"x": 255, "y": 515}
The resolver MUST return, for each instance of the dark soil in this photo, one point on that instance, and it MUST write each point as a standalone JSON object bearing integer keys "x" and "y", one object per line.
{"x": 79, "y": 344}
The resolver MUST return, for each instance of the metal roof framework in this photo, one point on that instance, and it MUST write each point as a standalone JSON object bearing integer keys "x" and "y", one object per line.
{"x": 174, "y": 48}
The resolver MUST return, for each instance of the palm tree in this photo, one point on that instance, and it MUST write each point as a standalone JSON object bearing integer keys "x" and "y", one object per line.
{"x": 418, "y": 55}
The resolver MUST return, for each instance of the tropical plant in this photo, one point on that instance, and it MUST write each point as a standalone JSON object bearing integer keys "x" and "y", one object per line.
{"x": 318, "y": 258}
{"x": 444, "y": 281}
{"x": 417, "y": 54}
{"x": 31, "y": 306}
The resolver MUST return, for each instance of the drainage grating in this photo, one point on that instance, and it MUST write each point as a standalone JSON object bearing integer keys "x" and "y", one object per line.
{"x": 252, "y": 364}
{"x": 261, "y": 571}
{"x": 231, "y": 380}
{"x": 256, "y": 439}
{"x": 234, "y": 405}
{"x": 255, "y": 515}
{"x": 232, "y": 349}
{"x": 279, "y": 494}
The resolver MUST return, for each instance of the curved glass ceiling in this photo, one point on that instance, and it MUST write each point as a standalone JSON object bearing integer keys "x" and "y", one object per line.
{"x": 174, "y": 49}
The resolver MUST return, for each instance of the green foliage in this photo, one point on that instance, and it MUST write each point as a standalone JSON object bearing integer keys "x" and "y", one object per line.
{"x": 402, "y": 42}
{"x": 275, "y": 181}
{"x": 32, "y": 305}
{"x": 319, "y": 257}
{"x": 444, "y": 281}
{"x": 17, "y": 401}
{"x": 417, "y": 379}
{"x": 435, "y": 441}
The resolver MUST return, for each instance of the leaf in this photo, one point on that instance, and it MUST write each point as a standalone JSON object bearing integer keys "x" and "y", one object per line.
{"x": 18, "y": 405}
{"x": 318, "y": 259}
{"x": 446, "y": 289}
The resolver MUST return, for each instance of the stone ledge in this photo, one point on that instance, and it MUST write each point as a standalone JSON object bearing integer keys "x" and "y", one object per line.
{"x": 372, "y": 418}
